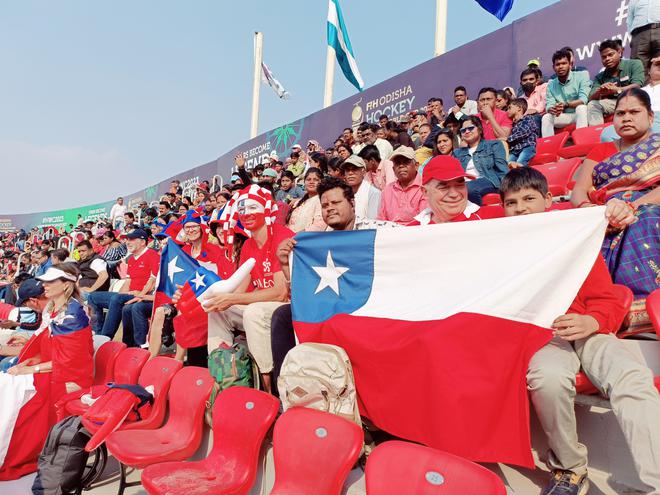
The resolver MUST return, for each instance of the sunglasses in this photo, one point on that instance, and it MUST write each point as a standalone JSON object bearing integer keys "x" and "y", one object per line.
{"x": 469, "y": 128}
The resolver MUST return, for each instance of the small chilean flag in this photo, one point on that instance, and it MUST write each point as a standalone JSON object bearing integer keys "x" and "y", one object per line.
{"x": 440, "y": 321}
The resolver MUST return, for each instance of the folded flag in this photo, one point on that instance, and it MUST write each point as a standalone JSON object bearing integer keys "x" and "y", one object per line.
{"x": 499, "y": 8}
{"x": 339, "y": 40}
{"x": 440, "y": 321}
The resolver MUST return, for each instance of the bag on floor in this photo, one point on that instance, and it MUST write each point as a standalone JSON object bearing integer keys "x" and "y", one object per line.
{"x": 230, "y": 367}
{"x": 319, "y": 376}
{"x": 62, "y": 460}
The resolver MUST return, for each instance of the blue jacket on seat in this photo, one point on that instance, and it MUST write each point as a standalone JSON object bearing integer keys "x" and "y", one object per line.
{"x": 489, "y": 160}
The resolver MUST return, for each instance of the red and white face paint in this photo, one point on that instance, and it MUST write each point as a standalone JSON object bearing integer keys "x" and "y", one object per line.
{"x": 251, "y": 214}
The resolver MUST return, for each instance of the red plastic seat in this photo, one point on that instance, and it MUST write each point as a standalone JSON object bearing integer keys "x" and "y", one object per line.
{"x": 582, "y": 384}
{"x": 241, "y": 418}
{"x": 491, "y": 199}
{"x": 559, "y": 174}
{"x": 104, "y": 361}
{"x": 128, "y": 365}
{"x": 585, "y": 139}
{"x": 179, "y": 438}
{"x": 656, "y": 380}
{"x": 158, "y": 373}
{"x": 653, "y": 309}
{"x": 314, "y": 452}
{"x": 547, "y": 148}
{"x": 397, "y": 467}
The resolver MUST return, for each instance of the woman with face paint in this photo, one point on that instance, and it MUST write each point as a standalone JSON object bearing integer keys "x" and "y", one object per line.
{"x": 251, "y": 306}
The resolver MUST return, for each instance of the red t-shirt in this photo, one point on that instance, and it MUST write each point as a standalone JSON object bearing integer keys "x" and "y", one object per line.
{"x": 267, "y": 263}
{"x": 602, "y": 152}
{"x": 500, "y": 117}
{"x": 483, "y": 213}
{"x": 142, "y": 268}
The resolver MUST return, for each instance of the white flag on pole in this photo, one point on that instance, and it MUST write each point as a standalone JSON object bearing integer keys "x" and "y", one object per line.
{"x": 268, "y": 78}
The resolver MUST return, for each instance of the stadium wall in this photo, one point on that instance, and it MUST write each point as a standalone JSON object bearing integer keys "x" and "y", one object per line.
{"x": 494, "y": 60}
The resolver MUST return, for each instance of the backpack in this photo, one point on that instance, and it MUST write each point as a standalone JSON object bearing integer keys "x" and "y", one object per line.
{"x": 63, "y": 459}
{"x": 230, "y": 367}
{"x": 319, "y": 376}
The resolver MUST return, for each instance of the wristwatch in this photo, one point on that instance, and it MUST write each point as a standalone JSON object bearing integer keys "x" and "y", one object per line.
{"x": 37, "y": 369}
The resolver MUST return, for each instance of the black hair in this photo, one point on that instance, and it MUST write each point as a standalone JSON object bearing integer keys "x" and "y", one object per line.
{"x": 61, "y": 253}
{"x": 110, "y": 235}
{"x": 529, "y": 72}
{"x": 21, "y": 277}
{"x": 165, "y": 204}
{"x": 151, "y": 212}
{"x": 614, "y": 44}
{"x": 374, "y": 128}
{"x": 560, "y": 54}
{"x": 487, "y": 89}
{"x": 321, "y": 159}
{"x": 460, "y": 88}
{"x": 435, "y": 98}
{"x": 333, "y": 183}
{"x": 289, "y": 175}
{"x": 348, "y": 129}
{"x": 476, "y": 121}
{"x": 638, "y": 93}
{"x": 383, "y": 116}
{"x": 364, "y": 126}
{"x": 311, "y": 170}
{"x": 130, "y": 214}
{"x": 84, "y": 243}
{"x": 369, "y": 152}
{"x": 452, "y": 119}
{"x": 350, "y": 151}
{"x": 519, "y": 102}
{"x": 523, "y": 178}
{"x": 334, "y": 163}
{"x": 446, "y": 132}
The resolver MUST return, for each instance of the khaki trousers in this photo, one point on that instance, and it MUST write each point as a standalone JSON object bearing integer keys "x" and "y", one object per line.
{"x": 619, "y": 375}
{"x": 254, "y": 319}
{"x": 597, "y": 109}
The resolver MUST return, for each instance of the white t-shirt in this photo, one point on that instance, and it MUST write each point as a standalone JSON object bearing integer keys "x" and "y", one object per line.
{"x": 117, "y": 210}
{"x": 654, "y": 93}
{"x": 99, "y": 265}
{"x": 471, "y": 169}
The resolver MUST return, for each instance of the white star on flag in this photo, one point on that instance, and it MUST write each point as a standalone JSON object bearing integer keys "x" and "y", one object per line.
{"x": 199, "y": 280}
{"x": 329, "y": 275}
{"x": 172, "y": 269}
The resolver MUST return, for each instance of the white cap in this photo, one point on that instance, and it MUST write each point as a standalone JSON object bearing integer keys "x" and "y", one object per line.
{"x": 54, "y": 274}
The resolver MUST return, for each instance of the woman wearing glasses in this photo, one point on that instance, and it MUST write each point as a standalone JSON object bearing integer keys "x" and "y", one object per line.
{"x": 484, "y": 159}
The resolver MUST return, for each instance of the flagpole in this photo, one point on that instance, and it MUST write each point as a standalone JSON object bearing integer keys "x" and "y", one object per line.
{"x": 329, "y": 76}
{"x": 256, "y": 83}
{"x": 440, "y": 27}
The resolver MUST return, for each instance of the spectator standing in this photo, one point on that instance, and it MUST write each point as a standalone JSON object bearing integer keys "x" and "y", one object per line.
{"x": 484, "y": 161}
{"x": 367, "y": 196}
{"x": 464, "y": 106}
{"x": 566, "y": 98}
{"x": 403, "y": 199}
{"x": 495, "y": 122}
{"x": 117, "y": 214}
{"x": 644, "y": 27}
{"x": 619, "y": 75}
{"x": 522, "y": 141}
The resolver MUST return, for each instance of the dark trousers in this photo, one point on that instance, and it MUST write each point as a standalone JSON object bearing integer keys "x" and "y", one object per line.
{"x": 645, "y": 45}
{"x": 478, "y": 188}
{"x": 135, "y": 323}
{"x": 112, "y": 301}
{"x": 282, "y": 339}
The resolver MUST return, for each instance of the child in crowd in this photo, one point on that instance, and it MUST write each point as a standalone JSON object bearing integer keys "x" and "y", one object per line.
{"x": 522, "y": 140}
{"x": 585, "y": 338}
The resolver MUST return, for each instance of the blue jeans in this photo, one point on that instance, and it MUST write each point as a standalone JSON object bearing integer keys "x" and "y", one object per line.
{"x": 524, "y": 156}
{"x": 112, "y": 301}
{"x": 135, "y": 323}
{"x": 478, "y": 188}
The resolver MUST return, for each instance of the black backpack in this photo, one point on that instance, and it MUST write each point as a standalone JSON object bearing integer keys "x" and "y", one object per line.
{"x": 63, "y": 459}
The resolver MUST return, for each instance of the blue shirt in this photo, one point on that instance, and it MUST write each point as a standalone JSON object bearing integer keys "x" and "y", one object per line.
{"x": 642, "y": 12}
{"x": 41, "y": 269}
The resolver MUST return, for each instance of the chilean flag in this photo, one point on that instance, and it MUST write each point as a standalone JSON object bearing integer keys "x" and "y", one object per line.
{"x": 440, "y": 321}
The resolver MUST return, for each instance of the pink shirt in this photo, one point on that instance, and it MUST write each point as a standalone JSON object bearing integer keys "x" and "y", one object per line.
{"x": 537, "y": 99}
{"x": 500, "y": 117}
{"x": 383, "y": 176}
{"x": 401, "y": 205}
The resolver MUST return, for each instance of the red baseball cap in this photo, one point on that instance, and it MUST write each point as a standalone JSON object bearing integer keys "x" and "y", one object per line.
{"x": 444, "y": 168}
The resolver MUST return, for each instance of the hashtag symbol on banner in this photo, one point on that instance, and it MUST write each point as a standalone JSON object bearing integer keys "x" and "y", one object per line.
{"x": 621, "y": 13}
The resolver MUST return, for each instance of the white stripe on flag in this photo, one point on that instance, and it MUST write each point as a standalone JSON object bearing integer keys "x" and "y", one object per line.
{"x": 526, "y": 268}
{"x": 342, "y": 45}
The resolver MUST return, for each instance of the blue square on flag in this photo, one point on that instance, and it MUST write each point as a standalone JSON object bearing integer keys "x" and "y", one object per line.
{"x": 332, "y": 273}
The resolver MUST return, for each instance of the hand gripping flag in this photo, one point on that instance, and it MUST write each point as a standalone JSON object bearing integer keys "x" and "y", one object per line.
{"x": 440, "y": 321}
{"x": 338, "y": 39}
{"x": 499, "y": 8}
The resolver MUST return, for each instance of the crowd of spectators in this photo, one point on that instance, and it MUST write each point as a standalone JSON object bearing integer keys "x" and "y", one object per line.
{"x": 429, "y": 166}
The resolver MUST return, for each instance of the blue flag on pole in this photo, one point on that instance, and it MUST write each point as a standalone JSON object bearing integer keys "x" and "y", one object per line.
{"x": 499, "y": 8}
{"x": 338, "y": 39}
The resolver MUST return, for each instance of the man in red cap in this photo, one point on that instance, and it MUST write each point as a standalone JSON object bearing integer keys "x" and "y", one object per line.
{"x": 445, "y": 189}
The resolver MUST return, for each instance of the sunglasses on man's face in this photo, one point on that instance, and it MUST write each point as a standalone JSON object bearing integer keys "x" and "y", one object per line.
{"x": 469, "y": 128}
